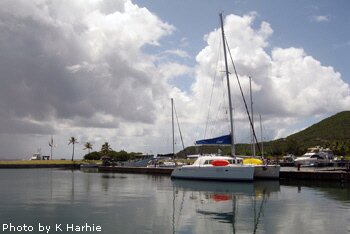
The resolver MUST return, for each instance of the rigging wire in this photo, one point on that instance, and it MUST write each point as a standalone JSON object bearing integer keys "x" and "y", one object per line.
{"x": 225, "y": 107}
{"x": 178, "y": 125}
{"x": 221, "y": 115}
{"x": 219, "y": 123}
{"x": 212, "y": 91}
{"x": 245, "y": 103}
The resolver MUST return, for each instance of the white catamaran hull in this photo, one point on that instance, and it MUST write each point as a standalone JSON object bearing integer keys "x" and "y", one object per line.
{"x": 267, "y": 171}
{"x": 243, "y": 173}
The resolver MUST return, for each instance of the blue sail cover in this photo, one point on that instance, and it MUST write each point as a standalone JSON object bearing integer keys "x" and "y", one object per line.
{"x": 221, "y": 140}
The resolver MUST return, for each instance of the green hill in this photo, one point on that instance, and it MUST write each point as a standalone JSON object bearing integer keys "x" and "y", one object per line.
{"x": 334, "y": 128}
{"x": 332, "y": 132}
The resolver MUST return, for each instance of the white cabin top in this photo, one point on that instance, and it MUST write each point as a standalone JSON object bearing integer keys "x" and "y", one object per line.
{"x": 206, "y": 160}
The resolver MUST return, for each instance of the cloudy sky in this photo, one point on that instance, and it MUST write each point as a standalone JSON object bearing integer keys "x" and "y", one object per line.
{"x": 105, "y": 70}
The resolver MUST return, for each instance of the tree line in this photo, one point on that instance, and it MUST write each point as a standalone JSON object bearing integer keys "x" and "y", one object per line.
{"x": 106, "y": 150}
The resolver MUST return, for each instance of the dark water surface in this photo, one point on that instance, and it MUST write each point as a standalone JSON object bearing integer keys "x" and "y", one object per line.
{"x": 130, "y": 203}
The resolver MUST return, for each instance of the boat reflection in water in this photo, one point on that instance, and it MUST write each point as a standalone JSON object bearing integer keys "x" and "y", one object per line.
{"x": 238, "y": 204}
{"x": 235, "y": 188}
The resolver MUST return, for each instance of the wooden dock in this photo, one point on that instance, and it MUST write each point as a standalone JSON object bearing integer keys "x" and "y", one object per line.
{"x": 315, "y": 175}
{"x": 284, "y": 175}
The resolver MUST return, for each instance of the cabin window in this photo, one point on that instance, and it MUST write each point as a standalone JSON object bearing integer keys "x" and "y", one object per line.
{"x": 232, "y": 161}
{"x": 317, "y": 156}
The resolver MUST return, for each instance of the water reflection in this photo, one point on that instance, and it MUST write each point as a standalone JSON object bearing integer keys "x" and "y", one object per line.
{"x": 333, "y": 189}
{"x": 237, "y": 188}
{"x": 156, "y": 204}
{"x": 223, "y": 202}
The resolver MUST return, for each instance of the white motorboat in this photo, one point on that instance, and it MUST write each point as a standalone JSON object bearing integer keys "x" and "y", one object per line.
{"x": 36, "y": 156}
{"x": 311, "y": 159}
{"x": 315, "y": 157}
{"x": 215, "y": 168}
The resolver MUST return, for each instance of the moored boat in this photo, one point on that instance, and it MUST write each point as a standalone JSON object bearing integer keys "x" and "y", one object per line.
{"x": 267, "y": 171}
{"x": 316, "y": 156}
{"x": 214, "y": 168}
{"x": 261, "y": 170}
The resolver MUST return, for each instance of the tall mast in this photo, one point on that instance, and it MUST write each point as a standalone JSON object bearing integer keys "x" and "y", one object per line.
{"x": 172, "y": 125}
{"x": 178, "y": 125}
{"x": 228, "y": 87}
{"x": 262, "y": 140}
{"x": 252, "y": 111}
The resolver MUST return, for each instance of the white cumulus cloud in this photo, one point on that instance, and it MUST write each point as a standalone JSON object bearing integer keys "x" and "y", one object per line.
{"x": 78, "y": 69}
{"x": 288, "y": 84}
{"x": 320, "y": 18}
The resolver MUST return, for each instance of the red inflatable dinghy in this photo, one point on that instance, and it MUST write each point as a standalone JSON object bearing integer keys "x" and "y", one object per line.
{"x": 220, "y": 162}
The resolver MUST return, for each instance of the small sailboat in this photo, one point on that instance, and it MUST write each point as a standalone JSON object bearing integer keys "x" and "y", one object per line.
{"x": 205, "y": 167}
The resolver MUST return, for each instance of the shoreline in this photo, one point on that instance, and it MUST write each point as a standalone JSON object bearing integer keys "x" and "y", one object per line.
{"x": 289, "y": 174}
{"x": 284, "y": 175}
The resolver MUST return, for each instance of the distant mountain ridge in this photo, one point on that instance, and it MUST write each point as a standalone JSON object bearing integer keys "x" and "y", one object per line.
{"x": 332, "y": 132}
{"x": 334, "y": 128}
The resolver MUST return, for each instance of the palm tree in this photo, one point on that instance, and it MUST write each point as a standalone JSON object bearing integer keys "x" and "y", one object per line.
{"x": 88, "y": 146}
{"x": 105, "y": 149}
{"x": 73, "y": 141}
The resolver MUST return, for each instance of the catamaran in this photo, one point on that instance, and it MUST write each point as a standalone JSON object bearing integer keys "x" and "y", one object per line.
{"x": 218, "y": 167}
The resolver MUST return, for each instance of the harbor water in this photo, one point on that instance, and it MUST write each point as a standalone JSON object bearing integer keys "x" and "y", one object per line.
{"x": 73, "y": 201}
